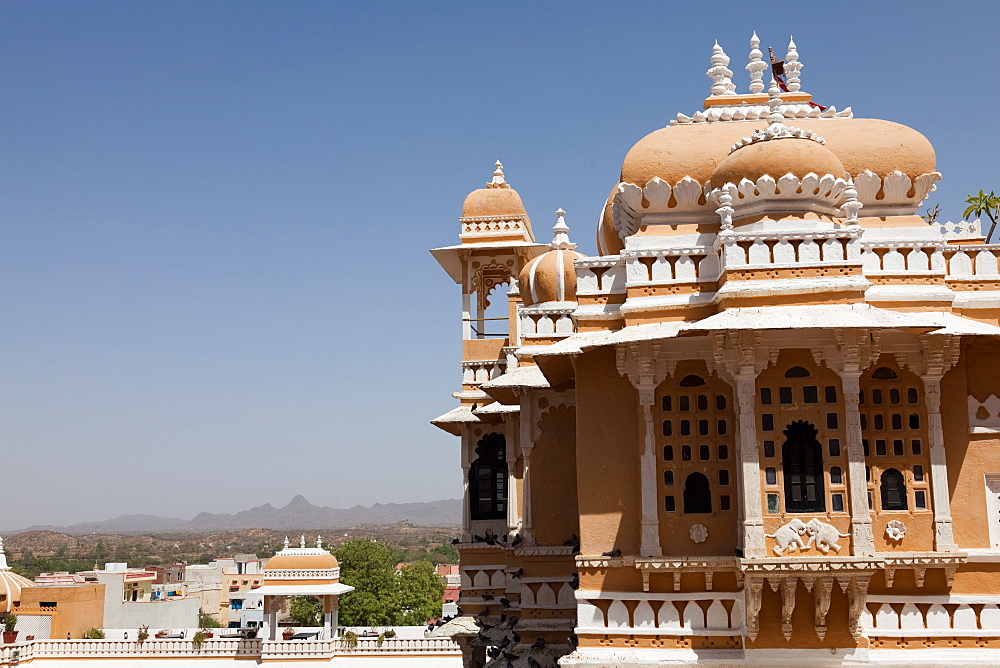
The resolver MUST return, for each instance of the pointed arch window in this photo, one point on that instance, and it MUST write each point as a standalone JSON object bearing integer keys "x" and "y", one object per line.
{"x": 697, "y": 494}
{"x": 893, "y": 490}
{"x": 488, "y": 479}
{"x": 802, "y": 465}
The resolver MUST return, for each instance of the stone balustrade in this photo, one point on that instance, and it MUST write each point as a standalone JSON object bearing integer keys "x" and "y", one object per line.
{"x": 750, "y": 250}
{"x": 977, "y": 261}
{"x": 697, "y": 613}
{"x": 321, "y": 650}
{"x": 475, "y": 372}
{"x": 923, "y": 617}
{"x": 600, "y": 276}
{"x": 546, "y": 321}
{"x": 672, "y": 265}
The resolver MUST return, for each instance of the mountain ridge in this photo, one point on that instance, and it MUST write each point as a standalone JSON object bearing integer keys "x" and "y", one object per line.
{"x": 299, "y": 513}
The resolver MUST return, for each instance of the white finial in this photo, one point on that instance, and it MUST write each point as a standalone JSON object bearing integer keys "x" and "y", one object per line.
{"x": 792, "y": 68}
{"x": 498, "y": 180}
{"x": 319, "y": 541}
{"x": 721, "y": 75}
{"x": 560, "y": 239}
{"x": 774, "y": 103}
{"x": 286, "y": 542}
{"x": 725, "y": 210}
{"x": 851, "y": 205}
{"x": 756, "y": 66}
{"x": 302, "y": 541}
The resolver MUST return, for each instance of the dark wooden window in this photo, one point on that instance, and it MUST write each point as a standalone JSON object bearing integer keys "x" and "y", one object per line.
{"x": 697, "y": 494}
{"x": 893, "y": 490}
{"x": 802, "y": 465}
{"x": 488, "y": 479}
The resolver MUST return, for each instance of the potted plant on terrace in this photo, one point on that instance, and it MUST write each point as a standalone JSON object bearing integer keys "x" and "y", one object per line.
{"x": 288, "y": 633}
{"x": 9, "y": 634}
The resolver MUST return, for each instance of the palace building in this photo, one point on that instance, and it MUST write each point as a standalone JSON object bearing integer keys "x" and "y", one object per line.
{"x": 761, "y": 426}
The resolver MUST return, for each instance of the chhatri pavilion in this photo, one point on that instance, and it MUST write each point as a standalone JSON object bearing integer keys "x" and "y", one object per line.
{"x": 762, "y": 425}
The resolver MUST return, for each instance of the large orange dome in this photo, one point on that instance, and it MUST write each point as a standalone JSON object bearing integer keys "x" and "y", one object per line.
{"x": 695, "y": 150}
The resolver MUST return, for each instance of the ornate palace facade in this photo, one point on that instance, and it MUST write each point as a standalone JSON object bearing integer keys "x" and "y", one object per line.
{"x": 761, "y": 426}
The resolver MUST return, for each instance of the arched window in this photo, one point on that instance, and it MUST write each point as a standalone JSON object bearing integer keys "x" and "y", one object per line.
{"x": 488, "y": 479}
{"x": 883, "y": 373}
{"x": 797, "y": 372}
{"x": 893, "y": 490}
{"x": 802, "y": 464}
{"x": 697, "y": 494}
{"x": 691, "y": 381}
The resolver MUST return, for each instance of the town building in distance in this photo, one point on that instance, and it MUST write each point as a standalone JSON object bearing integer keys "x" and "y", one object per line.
{"x": 762, "y": 426}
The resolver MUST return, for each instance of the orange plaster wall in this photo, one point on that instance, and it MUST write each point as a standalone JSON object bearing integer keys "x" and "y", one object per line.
{"x": 970, "y": 457}
{"x": 553, "y": 477}
{"x": 79, "y": 607}
{"x": 607, "y": 456}
{"x": 483, "y": 349}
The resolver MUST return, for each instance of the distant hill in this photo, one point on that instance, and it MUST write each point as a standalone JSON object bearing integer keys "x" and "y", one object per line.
{"x": 298, "y": 514}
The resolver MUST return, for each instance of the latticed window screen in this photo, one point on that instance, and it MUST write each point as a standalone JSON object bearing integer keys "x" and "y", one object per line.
{"x": 488, "y": 479}
{"x": 802, "y": 464}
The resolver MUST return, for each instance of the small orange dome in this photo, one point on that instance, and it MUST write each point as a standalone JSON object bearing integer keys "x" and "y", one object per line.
{"x": 495, "y": 200}
{"x": 608, "y": 241}
{"x": 551, "y": 277}
{"x": 777, "y": 157}
{"x": 300, "y": 562}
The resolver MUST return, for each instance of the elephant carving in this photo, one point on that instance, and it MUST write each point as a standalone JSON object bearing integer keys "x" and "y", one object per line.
{"x": 789, "y": 536}
{"x": 824, "y": 536}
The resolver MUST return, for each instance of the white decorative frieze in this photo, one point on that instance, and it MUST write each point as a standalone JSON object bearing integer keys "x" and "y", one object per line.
{"x": 759, "y": 112}
{"x": 683, "y": 201}
{"x": 929, "y": 617}
{"x": 896, "y": 194}
{"x": 660, "y": 614}
{"x": 984, "y": 416}
{"x": 963, "y": 229}
{"x": 810, "y": 192}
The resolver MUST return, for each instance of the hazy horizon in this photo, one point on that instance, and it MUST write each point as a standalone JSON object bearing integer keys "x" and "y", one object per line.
{"x": 216, "y": 286}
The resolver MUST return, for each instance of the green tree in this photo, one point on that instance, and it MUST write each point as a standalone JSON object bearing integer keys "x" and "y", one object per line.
{"x": 207, "y": 621}
{"x": 367, "y": 566}
{"x": 983, "y": 204}
{"x": 306, "y": 610}
{"x": 420, "y": 589}
{"x": 445, "y": 554}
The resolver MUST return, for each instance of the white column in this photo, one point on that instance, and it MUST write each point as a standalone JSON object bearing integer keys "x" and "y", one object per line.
{"x": 944, "y": 539}
{"x": 527, "y": 417}
{"x": 466, "y": 316}
{"x": 466, "y": 500}
{"x": 650, "y": 540}
{"x": 862, "y": 540}
{"x": 511, "y": 456}
{"x": 753, "y": 519}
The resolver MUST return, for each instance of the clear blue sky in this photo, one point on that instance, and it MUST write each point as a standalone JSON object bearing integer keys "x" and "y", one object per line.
{"x": 215, "y": 289}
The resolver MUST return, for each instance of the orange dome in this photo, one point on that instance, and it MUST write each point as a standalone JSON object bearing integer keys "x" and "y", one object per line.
{"x": 697, "y": 149}
{"x": 777, "y": 157}
{"x": 551, "y": 277}
{"x": 300, "y": 562}
{"x": 495, "y": 200}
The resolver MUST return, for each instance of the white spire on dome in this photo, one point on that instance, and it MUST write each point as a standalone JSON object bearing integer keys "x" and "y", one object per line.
{"x": 3, "y": 558}
{"x": 286, "y": 542}
{"x": 776, "y": 128}
{"x": 560, "y": 239}
{"x": 792, "y": 67}
{"x": 774, "y": 103}
{"x": 721, "y": 75}
{"x": 498, "y": 180}
{"x": 319, "y": 541}
{"x": 756, "y": 66}
{"x": 302, "y": 541}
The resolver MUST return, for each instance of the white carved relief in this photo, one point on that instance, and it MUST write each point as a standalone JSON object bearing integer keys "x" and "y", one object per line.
{"x": 984, "y": 416}
{"x": 811, "y": 192}
{"x": 824, "y": 536}
{"x": 754, "y": 112}
{"x": 963, "y": 229}
{"x": 895, "y": 530}
{"x": 699, "y": 533}
{"x": 789, "y": 537}
{"x": 892, "y": 195}
{"x": 687, "y": 196}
